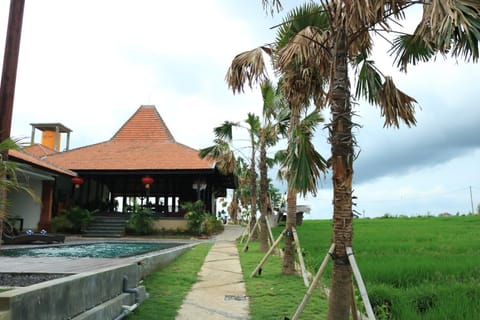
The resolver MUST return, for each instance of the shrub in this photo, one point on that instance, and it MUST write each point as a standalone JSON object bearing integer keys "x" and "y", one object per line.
{"x": 211, "y": 225}
{"x": 73, "y": 220}
{"x": 199, "y": 221}
{"x": 141, "y": 221}
{"x": 195, "y": 215}
{"x": 79, "y": 217}
{"x": 61, "y": 224}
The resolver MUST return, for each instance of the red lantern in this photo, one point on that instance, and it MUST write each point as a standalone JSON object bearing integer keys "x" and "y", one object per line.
{"x": 77, "y": 181}
{"x": 147, "y": 181}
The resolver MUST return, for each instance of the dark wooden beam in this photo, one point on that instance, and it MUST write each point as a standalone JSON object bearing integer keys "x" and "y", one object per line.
{"x": 10, "y": 63}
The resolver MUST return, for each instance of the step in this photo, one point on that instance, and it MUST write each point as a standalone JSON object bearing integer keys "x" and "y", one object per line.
{"x": 106, "y": 226}
{"x": 102, "y": 235}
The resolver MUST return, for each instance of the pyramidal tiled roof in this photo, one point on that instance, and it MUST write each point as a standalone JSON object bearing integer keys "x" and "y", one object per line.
{"x": 142, "y": 143}
{"x": 145, "y": 124}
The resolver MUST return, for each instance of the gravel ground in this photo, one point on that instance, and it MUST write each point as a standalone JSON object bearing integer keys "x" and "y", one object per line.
{"x": 26, "y": 279}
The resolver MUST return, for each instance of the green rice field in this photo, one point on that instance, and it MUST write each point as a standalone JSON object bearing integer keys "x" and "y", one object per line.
{"x": 413, "y": 268}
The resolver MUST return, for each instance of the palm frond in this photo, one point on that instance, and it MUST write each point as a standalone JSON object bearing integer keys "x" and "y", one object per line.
{"x": 305, "y": 15}
{"x": 369, "y": 81}
{"x": 272, "y": 5}
{"x": 225, "y": 130}
{"x": 396, "y": 105}
{"x": 247, "y": 68}
{"x": 304, "y": 164}
{"x": 221, "y": 153}
{"x": 253, "y": 122}
{"x": 411, "y": 49}
{"x": 448, "y": 27}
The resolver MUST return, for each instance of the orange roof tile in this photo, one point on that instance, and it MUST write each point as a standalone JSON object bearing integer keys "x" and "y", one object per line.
{"x": 39, "y": 150}
{"x": 142, "y": 143}
{"x": 146, "y": 124}
{"x": 25, "y": 157}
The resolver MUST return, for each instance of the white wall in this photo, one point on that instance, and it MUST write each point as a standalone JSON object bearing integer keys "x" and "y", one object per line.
{"x": 23, "y": 206}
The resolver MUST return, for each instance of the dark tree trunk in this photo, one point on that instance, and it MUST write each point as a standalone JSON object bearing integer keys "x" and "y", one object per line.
{"x": 263, "y": 193}
{"x": 288, "y": 266}
{"x": 253, "y": 192}
{"x": 341, "y": 141}
{"x": 289, "y": 252}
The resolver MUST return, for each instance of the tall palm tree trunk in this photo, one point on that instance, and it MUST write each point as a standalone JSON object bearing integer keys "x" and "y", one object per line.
{"x": 253, "y": 192}
{"x": 263, "y": 193}
{"x": 288, "y": 266}
{"x": 233, "y": 208}
{"x": 341, "y": 140}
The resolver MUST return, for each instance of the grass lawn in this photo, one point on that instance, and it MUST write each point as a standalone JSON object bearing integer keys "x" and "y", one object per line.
{"x": 274, "y": 296}
{"x": 169, "y": 286}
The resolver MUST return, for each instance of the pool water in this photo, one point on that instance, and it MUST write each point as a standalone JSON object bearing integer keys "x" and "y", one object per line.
{"x": 90, "y": 250}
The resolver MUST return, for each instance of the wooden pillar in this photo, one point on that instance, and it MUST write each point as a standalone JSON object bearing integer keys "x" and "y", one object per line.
{"x": 10, "y": 63}
{"x": 47, "y": 203}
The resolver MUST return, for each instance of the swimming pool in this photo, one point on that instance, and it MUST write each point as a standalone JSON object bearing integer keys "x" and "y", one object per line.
{"x": 90, "y": 250}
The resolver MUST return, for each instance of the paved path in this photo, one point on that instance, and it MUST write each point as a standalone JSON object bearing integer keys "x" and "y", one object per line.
{"x": 219, "y": 293}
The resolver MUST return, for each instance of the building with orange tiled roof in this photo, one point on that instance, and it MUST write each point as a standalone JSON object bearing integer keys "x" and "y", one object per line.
{"x": 115, "y": 173}
{"x": 144, "y": 146}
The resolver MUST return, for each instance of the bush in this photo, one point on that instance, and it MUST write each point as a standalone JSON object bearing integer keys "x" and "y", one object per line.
{"x": 211, "y": 225}
{"x": 195, "y": 215}
{"x": 141, "y": 221}
{"x": 61, "y": 224}
{"x": 199, "y": 221}
{"x": 73, "y": 220}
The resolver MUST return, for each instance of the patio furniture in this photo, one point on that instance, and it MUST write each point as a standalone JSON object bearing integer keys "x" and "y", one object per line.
{"x": 10, "y": 236}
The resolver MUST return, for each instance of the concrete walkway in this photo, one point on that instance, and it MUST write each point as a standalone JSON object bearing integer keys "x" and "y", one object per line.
{"x": 219, "y": 293}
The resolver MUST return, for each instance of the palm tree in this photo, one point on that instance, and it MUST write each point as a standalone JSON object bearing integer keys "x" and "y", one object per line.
{"x": 224, "y": 136}
{"x": 447, "y": 28}
{"x": 274, "y": 125}
{"x": 298, "y": 87}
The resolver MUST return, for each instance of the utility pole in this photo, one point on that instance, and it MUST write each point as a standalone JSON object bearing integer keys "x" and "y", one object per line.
{"x": 471, "y": 200}
{"x": 10, "y": 63}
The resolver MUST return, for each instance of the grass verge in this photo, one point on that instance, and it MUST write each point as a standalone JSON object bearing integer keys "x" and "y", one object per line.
{"x": 169, "y": 286}
{"x": 273, "y": 295}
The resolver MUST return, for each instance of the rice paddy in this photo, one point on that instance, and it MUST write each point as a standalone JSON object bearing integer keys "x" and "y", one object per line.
{"x": 414, "y": 268}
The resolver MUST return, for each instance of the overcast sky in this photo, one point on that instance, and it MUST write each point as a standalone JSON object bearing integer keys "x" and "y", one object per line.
{"x": 90, "y": 64}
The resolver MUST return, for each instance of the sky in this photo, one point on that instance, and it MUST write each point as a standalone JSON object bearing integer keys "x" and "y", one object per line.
{"x": 91, "y": 64}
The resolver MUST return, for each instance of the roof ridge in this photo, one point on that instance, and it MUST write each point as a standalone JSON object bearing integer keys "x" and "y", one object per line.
{"x": 145, "y": 124}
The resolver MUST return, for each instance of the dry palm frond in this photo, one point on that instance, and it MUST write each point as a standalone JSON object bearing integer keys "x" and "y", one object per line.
{"x": 396, "y": 105}
{"x": 309, "y": 46}
{"x": 453, "y": 26}
{"x": 303, "y": 63}
{"x": 226, "y": 164}
{"x": 273, "y": 5}
{"x": 247, "y": 67}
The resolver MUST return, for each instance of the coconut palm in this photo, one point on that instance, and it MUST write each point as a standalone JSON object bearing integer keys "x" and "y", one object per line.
{"x": 447, "y": 27}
